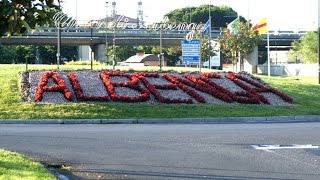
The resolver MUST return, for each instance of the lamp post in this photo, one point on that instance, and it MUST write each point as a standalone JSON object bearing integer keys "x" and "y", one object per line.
{"x": 114, "y": 35}
{"x": 209, "y": 63}
{"x": 190, "y": 15}
{"x": 276, "y": 33}
{"x": 161, "y": 54}
{"x": 318, "y": 27}
{"x": 107, "y": 32}
{"x": 59, "y": 38}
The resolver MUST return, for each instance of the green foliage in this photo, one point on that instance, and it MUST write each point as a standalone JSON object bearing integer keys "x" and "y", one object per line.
{"x": 15, "y": 166}
{"x": 173, "y": 54}
{"x": 46, "y": 54}
{"x": 242, "y": 42}
{"x": 306, "y": 48}
{"x": 221, "y": 15}
{"x": 7, "y": 54}
{"x": 17, "y": 17}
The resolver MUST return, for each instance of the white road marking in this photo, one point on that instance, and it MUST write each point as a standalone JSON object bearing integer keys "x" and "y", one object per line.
{"x": 273, "y": 147}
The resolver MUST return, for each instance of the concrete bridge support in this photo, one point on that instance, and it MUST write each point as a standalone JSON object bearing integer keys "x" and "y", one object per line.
{"x": 84, "y": 53}
{"x": 99, "y": 52}
{"x": 251, "y": 61}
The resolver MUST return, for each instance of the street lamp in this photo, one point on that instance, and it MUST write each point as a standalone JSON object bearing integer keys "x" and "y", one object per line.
{"x": 107, "y": 32}
{"x": 276, "y": 34}
{"x": 209, "y": 63}
{"x": 114, "y": 35}
{"x": 160, "y": 50}
{"x": 59, "y": 38}
{"x": 160, "y": 57}
{"x": 190, "y": 15}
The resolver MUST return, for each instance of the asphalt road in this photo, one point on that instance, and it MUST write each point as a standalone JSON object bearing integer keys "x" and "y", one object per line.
{"x": 217, "y": 151}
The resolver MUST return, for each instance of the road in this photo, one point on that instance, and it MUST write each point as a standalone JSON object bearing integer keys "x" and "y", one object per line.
{"x": 216, "y": 151}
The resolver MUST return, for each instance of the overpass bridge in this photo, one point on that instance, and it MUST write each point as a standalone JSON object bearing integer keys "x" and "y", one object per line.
{"x": 96, "y": 38}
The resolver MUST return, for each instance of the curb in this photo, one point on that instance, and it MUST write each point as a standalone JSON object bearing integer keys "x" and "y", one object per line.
{"x": 218, "y": 120}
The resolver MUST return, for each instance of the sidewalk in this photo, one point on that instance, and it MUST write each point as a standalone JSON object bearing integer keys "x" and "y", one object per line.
{"x": 218, "y": 120}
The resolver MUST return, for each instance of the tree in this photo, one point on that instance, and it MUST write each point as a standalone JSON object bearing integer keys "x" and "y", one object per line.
{"x": 220, "y": 15}
{"x": 232, "y": 45}
{"x": 7, "y": 55}
{"x": 306, "y": 48}
{"x": 16, "y": 17}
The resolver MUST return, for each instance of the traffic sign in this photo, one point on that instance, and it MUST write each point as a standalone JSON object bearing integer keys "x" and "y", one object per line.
{"x": 190, "y": 51}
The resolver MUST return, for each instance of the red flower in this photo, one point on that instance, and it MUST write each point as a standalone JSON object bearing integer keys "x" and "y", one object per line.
{"x": 59, "y": 87}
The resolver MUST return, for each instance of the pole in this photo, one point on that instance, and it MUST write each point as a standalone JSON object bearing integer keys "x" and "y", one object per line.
{"x": 268, "y": 51}
{"x": 239, "y": 55}
{"x": 190, "y": 13}
{"x": 91, "y": 46}
{"x": 26, "y": 63}
{"x": 77, "y": 10}
{"x": 200, "y": 52}
{"x": 114, "y": 14}
{"x": 210, "y": 35}
{"x": 319, "y": 53}
{"x": 318, "y": 42}
{"x": 59, "y": 39}
{"x": 107, "y": 32}
{"x": 160, "y": 49}
{"x": 114, "y": 48}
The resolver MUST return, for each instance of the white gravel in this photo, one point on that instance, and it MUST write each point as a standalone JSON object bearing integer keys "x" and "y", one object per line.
{"x": 92, "y": 86}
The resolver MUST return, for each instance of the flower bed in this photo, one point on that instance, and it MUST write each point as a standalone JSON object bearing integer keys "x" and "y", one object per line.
{"x": 145, "y": 87}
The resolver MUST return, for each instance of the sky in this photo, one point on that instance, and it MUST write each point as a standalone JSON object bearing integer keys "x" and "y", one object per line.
{"x": 281, "y": 15}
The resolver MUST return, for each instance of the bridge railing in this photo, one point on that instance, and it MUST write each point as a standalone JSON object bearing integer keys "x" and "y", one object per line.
{"x": 110, "y": 30}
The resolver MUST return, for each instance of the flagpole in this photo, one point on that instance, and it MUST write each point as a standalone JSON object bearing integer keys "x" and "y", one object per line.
{"x": 268, "y": 44}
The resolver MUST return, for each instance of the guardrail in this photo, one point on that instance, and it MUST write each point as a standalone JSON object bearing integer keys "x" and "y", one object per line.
{"x": 97, "y": 35}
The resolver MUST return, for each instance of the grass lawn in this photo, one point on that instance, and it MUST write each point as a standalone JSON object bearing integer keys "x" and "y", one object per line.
{"x": 14, "y": 166}
{"x": 305, "y": 92}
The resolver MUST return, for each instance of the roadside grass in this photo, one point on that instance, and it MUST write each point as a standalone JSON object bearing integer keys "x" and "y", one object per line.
{"x": 14, "y": 166}
{"x": 305, "y": 92}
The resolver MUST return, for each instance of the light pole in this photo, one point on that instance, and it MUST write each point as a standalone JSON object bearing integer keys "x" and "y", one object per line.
{"x": 161, "y": 54}
{"x": 318, "y": 26}
{"x": 190, "y": 15}
{"x": 107, "y": 32}
{"x": 210, "y": 35}
{"x": 114, "y": 35}
{"x": 276, "y": 34}
{"x": 59, "y": 38}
